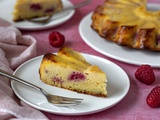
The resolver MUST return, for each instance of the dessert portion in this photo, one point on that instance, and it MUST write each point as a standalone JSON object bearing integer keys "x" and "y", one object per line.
{"x": 27, "y": 9}
{"x": 68, "y": 69}
{"x": 128, "y": 23}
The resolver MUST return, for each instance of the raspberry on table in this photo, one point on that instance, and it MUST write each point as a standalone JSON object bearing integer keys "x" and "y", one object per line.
{"x": 56, "y": 39}
{"x": 153, "y": 98}
{"x": 145, "y": 74}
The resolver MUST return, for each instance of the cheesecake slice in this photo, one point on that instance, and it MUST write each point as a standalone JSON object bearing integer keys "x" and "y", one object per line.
{"x": 68, "y": 69}
{"x": 27, "y": 9}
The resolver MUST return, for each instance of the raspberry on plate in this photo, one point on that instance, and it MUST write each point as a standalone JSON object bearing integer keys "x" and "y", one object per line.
{"x": 153, "y": 98}
{"x": 56, "y": 39}
{"x": 145, "y": 74}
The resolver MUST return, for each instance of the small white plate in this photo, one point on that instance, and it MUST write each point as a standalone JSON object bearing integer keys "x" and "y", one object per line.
{"x": 115, "y": 51}
{"x": 117, "y": 87}
{"x": 6, "y": 9}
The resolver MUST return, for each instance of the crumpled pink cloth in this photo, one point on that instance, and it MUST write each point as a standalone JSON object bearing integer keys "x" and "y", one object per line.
{"x": 15, "y": 49}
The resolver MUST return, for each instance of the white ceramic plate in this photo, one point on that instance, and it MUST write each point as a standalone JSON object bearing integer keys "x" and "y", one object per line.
{"x": 6, "y": 9}
{"x": 115, "y": 51}
{"x": 118, "y": 86}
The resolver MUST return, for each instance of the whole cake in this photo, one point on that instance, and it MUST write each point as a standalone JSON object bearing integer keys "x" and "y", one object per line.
{"x": 128, "y": 23}
{"x": 27, "y": 9}
{"x": 68, "y": 69}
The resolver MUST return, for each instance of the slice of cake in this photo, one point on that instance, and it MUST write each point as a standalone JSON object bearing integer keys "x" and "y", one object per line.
{"x": 69, "y": 70}
{"x": 27, "y": 9}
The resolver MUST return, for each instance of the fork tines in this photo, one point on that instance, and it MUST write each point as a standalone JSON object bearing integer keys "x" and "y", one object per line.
{"x": 60, "y": 100}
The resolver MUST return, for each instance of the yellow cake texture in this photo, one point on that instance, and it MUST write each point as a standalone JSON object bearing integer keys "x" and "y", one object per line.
{"x": 27, "y": 9}
{"x": 128, "y": 23}
{"x": 68, "y": 69}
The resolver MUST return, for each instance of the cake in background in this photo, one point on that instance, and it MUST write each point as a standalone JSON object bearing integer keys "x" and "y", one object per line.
{"x": 27, "y": 9}
{"x": 128, "y": 23}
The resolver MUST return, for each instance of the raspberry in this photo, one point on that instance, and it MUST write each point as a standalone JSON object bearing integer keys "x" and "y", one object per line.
{"x": 153, "y": 98}
{"x": 56, "y": 39}
{"x": 77, "y": 76}
{"x": 145, "y": 74}
{"x": 36, "y": 7}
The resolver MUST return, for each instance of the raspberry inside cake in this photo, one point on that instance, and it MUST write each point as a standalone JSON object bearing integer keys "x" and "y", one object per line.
{"x": 69, "y": 70}
{"x": 27, "y": 9}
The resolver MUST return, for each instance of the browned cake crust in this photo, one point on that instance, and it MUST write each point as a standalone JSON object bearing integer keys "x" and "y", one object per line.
{"x": 128, "y": 23}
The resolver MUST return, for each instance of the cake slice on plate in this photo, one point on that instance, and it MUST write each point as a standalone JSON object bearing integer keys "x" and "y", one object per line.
{"x": 27, "y": 9}
{"x": 68, "y": 69}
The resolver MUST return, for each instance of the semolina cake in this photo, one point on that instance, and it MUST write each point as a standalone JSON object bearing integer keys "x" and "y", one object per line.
{"x": 68, "y": 69}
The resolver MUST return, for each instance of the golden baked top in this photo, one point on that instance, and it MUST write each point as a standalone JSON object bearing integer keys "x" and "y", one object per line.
{"x": 67, "y": 57}
{"x": 128, "y": 23}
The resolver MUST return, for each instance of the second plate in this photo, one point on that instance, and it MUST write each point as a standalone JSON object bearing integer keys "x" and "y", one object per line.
{"x": 58, "y": 19}
{"x": 115, "y": 51}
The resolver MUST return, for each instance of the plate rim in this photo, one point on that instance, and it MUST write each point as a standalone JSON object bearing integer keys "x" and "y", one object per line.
{"x": 46, "y": 26}
{"x": 71, "y": 114}
{"x": 98, "y": 49}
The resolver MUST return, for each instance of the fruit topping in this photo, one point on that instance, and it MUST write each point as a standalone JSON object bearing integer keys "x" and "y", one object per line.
{"x": 153, "y": 98}
{"x": 49, "y": 10}
{"x": 57, "y": 79}
{"x": 56, "y": 39}
{"x": 77, "y": 76}
{"x": 145, "y": 74}
{"x": 35, "y": 7}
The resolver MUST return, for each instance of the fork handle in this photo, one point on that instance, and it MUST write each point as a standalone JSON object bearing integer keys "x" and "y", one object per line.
{"x": 8, "y": 75}
{"x": 80, "y": 4}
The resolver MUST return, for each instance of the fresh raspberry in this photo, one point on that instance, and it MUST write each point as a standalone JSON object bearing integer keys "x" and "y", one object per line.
{"x": 56, "y": 39}
{"x": 153, "y": 98}
{"x": 145, "y": 74}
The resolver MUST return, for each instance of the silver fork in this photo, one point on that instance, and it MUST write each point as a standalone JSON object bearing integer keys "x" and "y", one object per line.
{"x": 54, "y": 99}
{"x": 46, "y": 19}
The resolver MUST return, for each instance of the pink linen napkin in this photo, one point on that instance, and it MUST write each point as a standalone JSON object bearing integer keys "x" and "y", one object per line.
{"x": 15, "y": 49}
